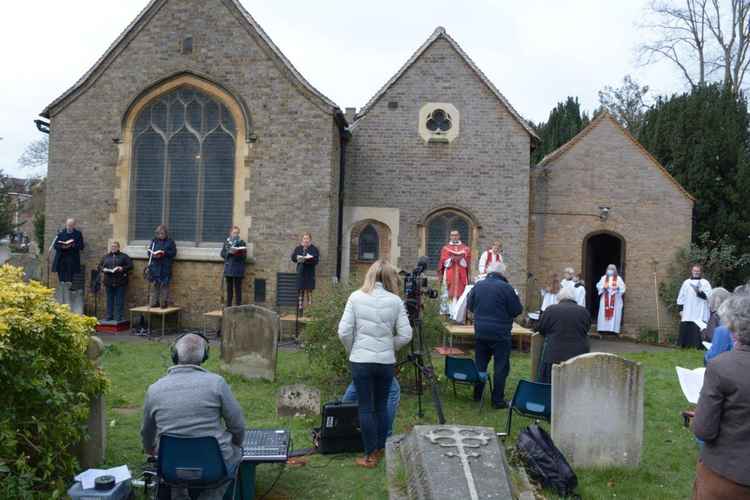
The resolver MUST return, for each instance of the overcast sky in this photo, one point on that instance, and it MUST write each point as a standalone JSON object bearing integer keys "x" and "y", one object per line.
{"x": 536, "y": 52}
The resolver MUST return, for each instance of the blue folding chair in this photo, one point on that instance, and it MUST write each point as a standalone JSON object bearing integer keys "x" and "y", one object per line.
{"x": 464, "y": 371}
{"x": 195, "y": 463}
{"x": 532, "y": 400}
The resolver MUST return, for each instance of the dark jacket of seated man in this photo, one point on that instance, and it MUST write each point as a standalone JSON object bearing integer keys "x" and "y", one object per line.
{"x": 494, "y": 304}
{"x": 191, "y": 401}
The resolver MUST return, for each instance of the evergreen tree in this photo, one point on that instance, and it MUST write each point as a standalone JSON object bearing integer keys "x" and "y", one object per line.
{"x": 702, "y": 139}
{"x": 564, "y": 122}
{"x": 6, "y": 207}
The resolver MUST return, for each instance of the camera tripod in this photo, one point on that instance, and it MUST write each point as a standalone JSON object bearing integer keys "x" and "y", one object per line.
{"x": 422, "y": 371}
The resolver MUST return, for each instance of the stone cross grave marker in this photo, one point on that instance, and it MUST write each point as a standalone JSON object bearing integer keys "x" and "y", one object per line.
{"x": 597, "y": 410}
{"x": 249, "y": 340}
{"x": 298, "y": 400}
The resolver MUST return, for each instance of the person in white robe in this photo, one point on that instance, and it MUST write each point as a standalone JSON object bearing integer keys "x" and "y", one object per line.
{"x": 568, "y": 277}
{"x": 549, "y": 294}
{"x": 611, "y": 288}
{"x": 580, "y": 291}
{"x": 489, "y": 256}
{"x": 693, "y": 302}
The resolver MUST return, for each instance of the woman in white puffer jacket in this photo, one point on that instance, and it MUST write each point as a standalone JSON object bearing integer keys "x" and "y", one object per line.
{"x": 374, "y": 326}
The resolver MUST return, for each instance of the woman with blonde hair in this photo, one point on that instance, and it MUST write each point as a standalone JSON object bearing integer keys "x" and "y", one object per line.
{"x": 373, "y": 327}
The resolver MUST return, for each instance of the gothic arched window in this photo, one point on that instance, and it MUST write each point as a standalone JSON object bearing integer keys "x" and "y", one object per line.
{"x": 439, "y": 227}
{"x": 183, "y": 167}
{"x": 369, "y": 244}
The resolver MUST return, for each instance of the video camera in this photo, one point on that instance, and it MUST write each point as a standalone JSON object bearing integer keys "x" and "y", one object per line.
{"x": 415, "y": 286}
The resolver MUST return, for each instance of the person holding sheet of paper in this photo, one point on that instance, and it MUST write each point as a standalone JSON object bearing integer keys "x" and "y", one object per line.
{"x": 68, "y": 247}
{"x": 306, "y": 256}
{"x": 161, "y": 252}
{"x": 722, "y": 417}
{"x": 611, "y": 288}
{"x": 693, "y": 302}
{"x": 115, "y": 267}
{"x": 234, "y": 253}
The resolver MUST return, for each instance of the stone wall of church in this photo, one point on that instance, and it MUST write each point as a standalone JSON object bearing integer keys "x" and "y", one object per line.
{"x": 293, "y": 165}
{"x": 484, "y": 171}
{"x": 651, "y": 214}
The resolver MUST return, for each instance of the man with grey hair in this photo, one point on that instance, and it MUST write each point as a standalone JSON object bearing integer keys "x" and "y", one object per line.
{"x": 495, "y": 304}
{"x": 565, "y": 328}
{"x": 717, "y": 296}
{"x": 722, "y": 416}
{"x": 568, "y": 277}
{"x": 68, "y": 246}
{"x": 191, "y": 401}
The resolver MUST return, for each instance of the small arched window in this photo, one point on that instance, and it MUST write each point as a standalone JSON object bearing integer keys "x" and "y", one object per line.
{"x": 439, "y": 227}
{"x": 369, "y": 244}
{"x": 183, "y": 167}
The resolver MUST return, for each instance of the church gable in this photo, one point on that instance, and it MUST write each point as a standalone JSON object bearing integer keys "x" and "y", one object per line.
{"x": 190, "y": 37}
{"x": 442, "y": 59}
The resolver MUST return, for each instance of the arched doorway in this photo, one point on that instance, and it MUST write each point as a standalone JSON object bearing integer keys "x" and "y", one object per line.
{"x": 599, "y": 250}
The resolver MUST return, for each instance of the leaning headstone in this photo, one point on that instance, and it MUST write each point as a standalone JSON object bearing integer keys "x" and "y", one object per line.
{"x": 447, "y": 462}
{"x": 298, "y": 400}
{"x": 535, "y": 351}
{"x": 92, "y": 450}
{"x": 597, "y": 410}
{"x": 248, "y": 342}
{"x": 73, "y": 298}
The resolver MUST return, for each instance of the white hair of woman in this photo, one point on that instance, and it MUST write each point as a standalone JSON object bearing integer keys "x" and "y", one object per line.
{"x": 496, "y": 267}
{"x": 566, "y": 293}
{"x": 717, "y": 297}
{"x": 735, "y": 314}
{"x": 190, "y": 349}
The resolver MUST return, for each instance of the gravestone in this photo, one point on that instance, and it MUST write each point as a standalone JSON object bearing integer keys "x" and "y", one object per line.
{"x": 92, "y": 449}
{"x": 535, "y": 351}
{"x": 298, "y": 400}
{"x": 597, "y": 410}
{"x": 248, "y": 341}
{"x": 73, "y": 298}
{"x": 447, "y": 462}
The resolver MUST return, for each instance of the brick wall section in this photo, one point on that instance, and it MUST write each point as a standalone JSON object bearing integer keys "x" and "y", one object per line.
{"x": 605, "y": 168}
{"x": 484, "y": 170}
{"x": 292, "y": 163}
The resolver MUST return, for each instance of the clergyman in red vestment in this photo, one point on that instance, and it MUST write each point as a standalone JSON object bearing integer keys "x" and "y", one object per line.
{"x": 454, "y": 267}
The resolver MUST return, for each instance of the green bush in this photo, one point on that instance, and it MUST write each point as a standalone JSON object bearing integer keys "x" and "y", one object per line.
{"x": 46, "y": 384}
{"x": 719, "y": 260}
{"x": 325, "y": 351}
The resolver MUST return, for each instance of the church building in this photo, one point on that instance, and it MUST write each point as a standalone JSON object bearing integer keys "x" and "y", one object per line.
{"x": 194, "y": 118}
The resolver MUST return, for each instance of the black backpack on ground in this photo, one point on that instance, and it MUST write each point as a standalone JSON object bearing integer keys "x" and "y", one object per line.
{"x": 544, "y": 462}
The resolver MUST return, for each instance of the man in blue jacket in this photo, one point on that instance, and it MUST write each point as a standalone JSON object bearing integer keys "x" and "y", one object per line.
{"x": 495, "y": 304}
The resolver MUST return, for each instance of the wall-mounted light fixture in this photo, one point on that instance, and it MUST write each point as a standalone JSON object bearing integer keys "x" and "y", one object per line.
{"x": 603, "y": 213}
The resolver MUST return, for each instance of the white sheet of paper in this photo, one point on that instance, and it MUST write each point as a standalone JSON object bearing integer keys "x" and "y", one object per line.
{"x": 707, "y": 345}
{"x": 691, "y": 382}
{"x": 701, "y": 324}
{"x": 88, "y": 477}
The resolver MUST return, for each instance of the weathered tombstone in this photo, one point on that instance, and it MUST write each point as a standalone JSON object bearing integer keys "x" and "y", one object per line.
{"x": 597, "y": 410}
{"x": 93, "y": 448}
{"x": 248, "y": 341}
{"x": 536, "y": 350}
{"x": 298, "y": 400}
{"x": 73, "y": 298}
{"x": 447, "y": 462}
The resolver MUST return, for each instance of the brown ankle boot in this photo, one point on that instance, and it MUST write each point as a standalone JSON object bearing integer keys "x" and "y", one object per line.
{"x": 367, "y": 461}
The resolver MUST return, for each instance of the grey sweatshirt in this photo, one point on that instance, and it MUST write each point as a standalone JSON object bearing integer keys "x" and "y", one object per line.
{"x": 192, "y": 401}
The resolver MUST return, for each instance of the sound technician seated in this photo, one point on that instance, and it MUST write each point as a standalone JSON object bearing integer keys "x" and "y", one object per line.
{"x": 191, "y": 401}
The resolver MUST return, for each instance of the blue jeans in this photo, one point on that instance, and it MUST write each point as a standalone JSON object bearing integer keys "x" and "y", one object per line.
{"x": 373, "y": 382}
{"x": 394, "y": 399}
{"x": 499, "y": 349}
{"x": 115, "y": 303}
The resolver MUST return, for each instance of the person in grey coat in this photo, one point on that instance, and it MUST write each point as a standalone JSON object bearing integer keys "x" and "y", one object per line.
{"x": 191, "y": 401}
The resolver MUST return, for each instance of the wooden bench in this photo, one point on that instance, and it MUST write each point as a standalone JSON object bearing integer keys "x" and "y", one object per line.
{"x": 158, "y": 311}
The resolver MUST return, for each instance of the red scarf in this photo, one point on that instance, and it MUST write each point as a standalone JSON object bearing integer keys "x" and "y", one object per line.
{"x": 609, "y": 298}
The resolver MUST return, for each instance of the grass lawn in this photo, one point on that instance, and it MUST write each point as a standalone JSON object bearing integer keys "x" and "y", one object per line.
{"x": 666, "y": 470}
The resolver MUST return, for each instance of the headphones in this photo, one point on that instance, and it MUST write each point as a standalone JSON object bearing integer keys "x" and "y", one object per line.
{"x": 173, "y": 347}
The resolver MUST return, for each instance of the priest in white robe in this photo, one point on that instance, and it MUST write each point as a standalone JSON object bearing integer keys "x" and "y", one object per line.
{"x": 611, "y": 288}
{"x": 568, "y": 277}
{"x": 693, "y": 302}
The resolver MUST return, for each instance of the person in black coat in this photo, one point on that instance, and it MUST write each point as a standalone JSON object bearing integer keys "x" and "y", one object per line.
{"x": 234, "y": 253}
{"x": 495, "y": 305}
{"x": 161, "y": 252}
{"x": 68, "y": 247}
{"x": 306, "y": 256}
{"x": 565, "y": 327}
{"x": 115, "y": 267}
